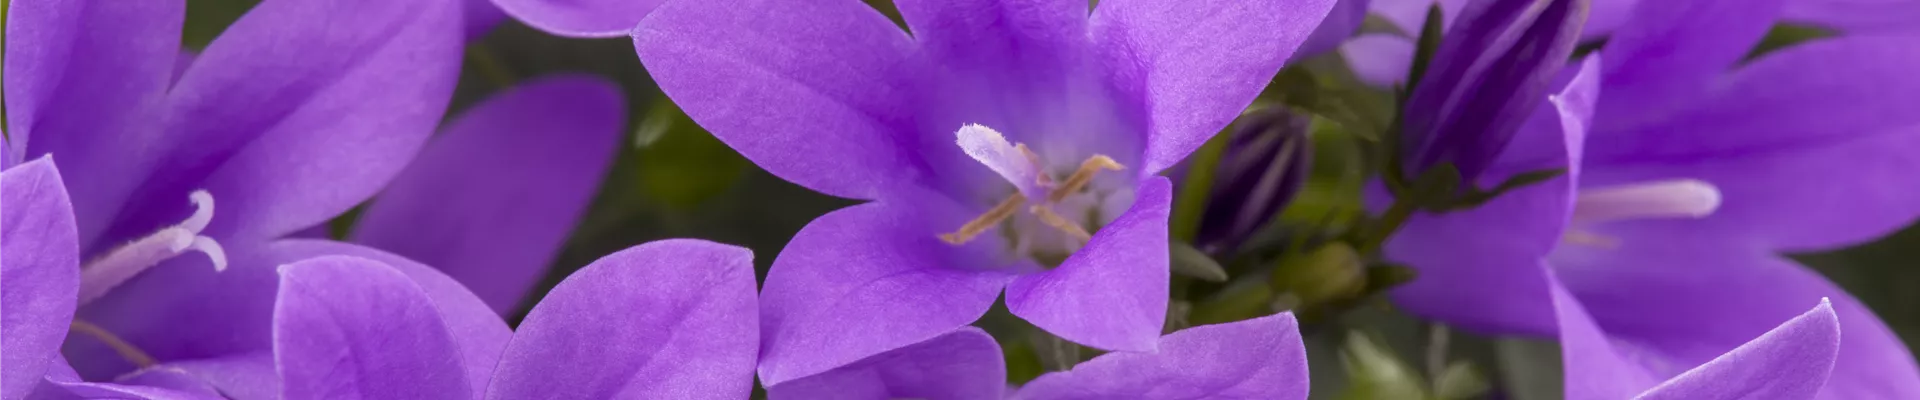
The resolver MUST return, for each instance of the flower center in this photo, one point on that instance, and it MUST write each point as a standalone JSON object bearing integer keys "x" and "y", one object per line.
{"x": 1047, "y": 201}
{"x": 1674, "y": 198}
{"x": 101, "y": 275}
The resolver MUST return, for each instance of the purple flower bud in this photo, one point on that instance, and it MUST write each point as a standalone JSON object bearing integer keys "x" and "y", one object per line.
{"x": 1266, "y": 161}
{"x": 1489, "y": 73}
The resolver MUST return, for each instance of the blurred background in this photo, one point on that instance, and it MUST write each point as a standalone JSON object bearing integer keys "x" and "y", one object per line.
{"x": 674, "y": 180}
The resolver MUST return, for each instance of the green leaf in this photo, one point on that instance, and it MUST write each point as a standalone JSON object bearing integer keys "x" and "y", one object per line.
{"x": 1191, "y": 202}
{"x": 1374, "y": 373}
{"x": 1429, "y": 43}
{"x": 1461, "y": 381}
{"x": 1191, "y": 262}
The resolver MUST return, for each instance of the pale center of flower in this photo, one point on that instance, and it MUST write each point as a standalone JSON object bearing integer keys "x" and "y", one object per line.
{"x": 1049, "y": 204}
{"x": 100, "y": 276}
{"x": 1674, "y": 198}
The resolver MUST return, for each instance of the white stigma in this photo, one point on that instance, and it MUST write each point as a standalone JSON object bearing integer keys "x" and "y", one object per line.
{"x": 1676, "y": 198}
{"x": 1015, "y": 163}
{"x": 100, "y": 276}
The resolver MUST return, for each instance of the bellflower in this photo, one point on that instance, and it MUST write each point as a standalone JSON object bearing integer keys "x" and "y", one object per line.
{"x": 1691, "y": 178}
{"x": 1382, "y": 59}
{"x": 1260, "y": 358}
{"x": 668, "y": 319}
{"x": 1490, "y": 72}
{"x": 302, "y": 109}
{"x": 1061, "y": 120}
{"x": 288, "y": 120}
{"x": 1790, "y": 361}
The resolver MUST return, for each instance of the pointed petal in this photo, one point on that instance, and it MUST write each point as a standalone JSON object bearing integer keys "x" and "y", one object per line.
{"x": 1668, "y": 52}
{"x": 479, "y": 331}
{"x": 351, "y": 328}
{"x": 247, "y": 376}
{"x": 1789, "y": 362}
{"x": 41, "y": 262}
{"x": 1378, "y": 59}
{"x": 867, "y": 279}
{"x": 1659, "y": 293}
{"x": 580, "y": 18}
{"x": 305, "y": 108}
{"x": 1260, "y": 358}
{"x": 1857, "y": 16}
{"x": 538, "y": 149}
{"x": 963, "y": 365}
{"x": 825, "y": 84}
{"x": 1595, "y": 368}
{"x": 1771, "y": 131}
{"x": 86, "y": 83}
{"x": 1111, "y": 294}
{"x": 1156, "y": 47}
{"x": 671, "y": 319}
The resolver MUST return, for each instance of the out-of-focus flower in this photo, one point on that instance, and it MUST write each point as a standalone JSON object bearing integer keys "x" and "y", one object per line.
{"x": 1267, "y": 158}
{"x": 1062, "y": 120}
{"x": 1260, "y": 358}
{"x": 667, "y": 319}
{"x": 1489, "y": 74}
{"x": 1693, "y": 176}
{"x": 1791, "y": 361}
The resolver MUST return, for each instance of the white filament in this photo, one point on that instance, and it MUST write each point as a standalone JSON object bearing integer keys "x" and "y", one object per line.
{"x": 1677, "y": 198}
{"x": 100, "y": 276}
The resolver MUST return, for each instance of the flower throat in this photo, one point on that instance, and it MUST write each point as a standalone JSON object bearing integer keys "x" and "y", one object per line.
{"x": 1035, "y": 189}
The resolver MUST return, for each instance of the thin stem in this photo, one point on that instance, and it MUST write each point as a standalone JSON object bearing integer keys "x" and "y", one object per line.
{"x": 1389, "y": 222}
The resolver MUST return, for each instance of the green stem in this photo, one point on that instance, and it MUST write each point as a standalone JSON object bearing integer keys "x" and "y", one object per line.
{"x": 1389, "y": 222}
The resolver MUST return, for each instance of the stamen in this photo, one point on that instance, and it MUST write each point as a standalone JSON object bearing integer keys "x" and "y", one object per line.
{"x": 1083, "y": 176}
{"x": 995, "y": 216}
{"x": 1056, "y": 221}
{"x": 126, "y": 350}
{"x": 99, "y": 277}
{"x": 1678, "y": 198}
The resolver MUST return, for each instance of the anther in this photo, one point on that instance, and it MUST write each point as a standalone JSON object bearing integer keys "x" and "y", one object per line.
{"x": 1056, "y": 221}
{"x": 999, "y": 213}
{"x": 1081, "y": 177}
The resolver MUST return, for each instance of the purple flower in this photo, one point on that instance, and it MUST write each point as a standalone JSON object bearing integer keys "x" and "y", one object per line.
{"x": 305, "y": 109}
{"x": 1490, "y": 72}
{"x": 1269, "y": 153}
{"x": 1791, "y": 361}
{"x": 667, "y": 319}
{"x": 1062, "y": 119}
{"x": 580, "y": 18}
{"x": 1260, "y": 358}
{"x": 1691, "y": 178}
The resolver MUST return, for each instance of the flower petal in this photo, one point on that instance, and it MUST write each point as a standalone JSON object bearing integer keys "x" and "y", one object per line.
{"x": 247, "y": 376}
{"x": 815, "y": 92}
{"x": 868, "y": 279}
{"x": 1771, "y": 137}
{"x": 580, "y": 18}
{"x": 1791, "y": 361}
{"x": 1342, "y": 21}
{"x": 1378, "y": 59}
{"x": 666, "y": 319}
{"x": 481, "y": 17}
{"x": 41, "y": 262}
{"x": 1667, "y": 53}
{"x": 524, "y": 165}
{"x": 479, "y": 331}
{"x": 1260, "y": 358}
{"x": 1595, "y": 368}
{"x": 87, "y": 84}
{"x": 351, "y": 328}
{"x": 1857, "y": 16}
{"x": 303, "y": 109}
{"x": 963, "y": 365}
{"x": 1192, "y": 66}
{"x": 1682, "y": 300}
{"x": 1112, "y": 293}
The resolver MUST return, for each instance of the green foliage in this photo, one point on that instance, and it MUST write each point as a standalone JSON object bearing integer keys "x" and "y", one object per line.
{"x": 680, "y": 164}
